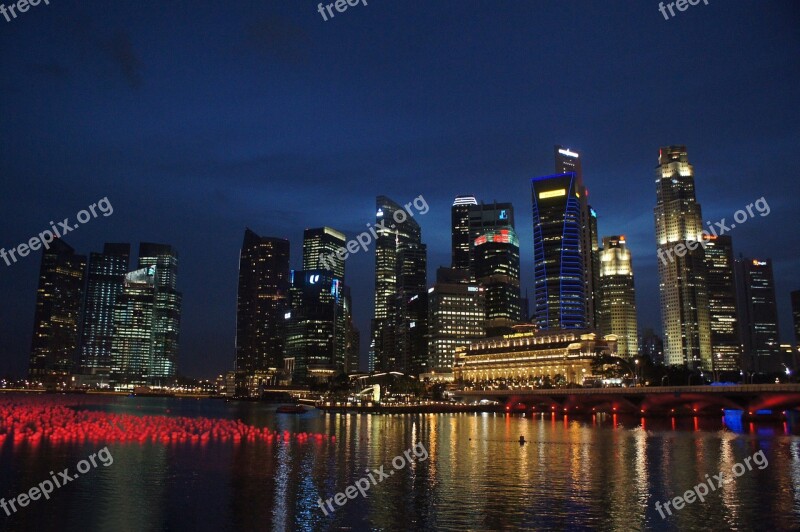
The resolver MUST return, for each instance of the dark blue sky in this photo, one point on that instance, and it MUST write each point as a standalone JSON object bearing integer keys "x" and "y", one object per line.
{"x": 197, "y": 119}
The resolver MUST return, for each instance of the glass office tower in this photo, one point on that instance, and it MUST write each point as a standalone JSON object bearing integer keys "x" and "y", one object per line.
{"x": 721, "y": 282}
{"x": 617, "y": 312}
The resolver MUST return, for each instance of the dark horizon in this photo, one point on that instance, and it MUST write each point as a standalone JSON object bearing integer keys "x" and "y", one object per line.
{"x": 198, "y": 123}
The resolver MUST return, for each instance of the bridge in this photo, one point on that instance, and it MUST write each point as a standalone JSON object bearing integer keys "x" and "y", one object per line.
{"x": 666, "y": 400}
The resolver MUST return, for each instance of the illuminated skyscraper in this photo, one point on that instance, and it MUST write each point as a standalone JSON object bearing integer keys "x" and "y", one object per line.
{"x": 263, "y": 300}
{"x": 456, "y": 316}
{"x": 319, "y": 250}
{"x": 496, "y": 269}
{"x": 681, "y": 265}
{"x": 617, "y": 310}
{"x": 567, "y": 161}
{"x": 104, "y": 285}
{"x": 560, "y": 300}
{"x": 721, "y": 282}
{"x": 399, "y": 325}
{"x": 134, "y": 340}
{"x": 459, "y": 215}
{"x": 758, "y": 315}
{"x": 54, "y": 347}
{"x": 167, "y": 311}
{"x": 796, "y": 318}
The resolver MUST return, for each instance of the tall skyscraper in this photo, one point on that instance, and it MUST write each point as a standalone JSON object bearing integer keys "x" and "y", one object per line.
{"x": 617, "y": 310}
{"x": 560, "y": 300}
{"x": 496, "y": 269}
{"x": 487, "y": 217}
{"x": 263, "y": 300}
{"x": 167, "y": 310}
{"x": 460, "y": 236}
{"x": 400, "y": 283}
{"x": 134, "y": 337}
{"x": 320, "y": 245}
{"x": 721, "y": 283}
{"x": 54, "y": 347}
{"x": 796, "y": 317}
{"x": 569, "y": 161}
{"x": 104, "y": 285}
{"x": 456, "y": 316}
{"x": 682, "y": 267}
{"x": 651, "y": 345}
{"x": 758, "y": 315}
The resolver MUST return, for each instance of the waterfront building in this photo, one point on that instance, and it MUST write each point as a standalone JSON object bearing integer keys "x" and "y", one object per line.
{"x": 134, "y": 337}
{"x": 460, "y": 234}
{"x": 105, "y": 279}
{"x": 496, "y": 268}
{"x": 681, "y": 265}
{"x": 651, "y": 346}
{"x": 721, "y": 282}
{"x": 262, "y": 302}
{"x": 532, "y": 358}
{"x": 56, "y": 321}
{"x": 320, "y": 245}
{"x": 758, "y": 315}
{"x": 617, "y": 311}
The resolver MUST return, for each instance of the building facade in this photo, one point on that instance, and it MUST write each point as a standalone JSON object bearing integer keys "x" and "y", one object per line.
{"x": 460, "y": 235}
{"x": 681, "y": 265}
{"x": 134, "y": 337}
{"x": 758, "y": 315}
{"x": 496, "y": 268}
{"x": 726, "y": 350}
{"x": 617, "y": 311}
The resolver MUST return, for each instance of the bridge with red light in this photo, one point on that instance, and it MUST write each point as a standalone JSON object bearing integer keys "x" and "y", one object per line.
{"x": 666, "y": 400}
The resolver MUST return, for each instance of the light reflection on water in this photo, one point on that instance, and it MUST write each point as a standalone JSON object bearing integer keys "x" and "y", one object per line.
{"x": 600, "y": 472}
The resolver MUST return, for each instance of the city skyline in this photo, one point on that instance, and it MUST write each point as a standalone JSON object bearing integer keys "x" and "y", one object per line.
{"x": 197, "y": 170}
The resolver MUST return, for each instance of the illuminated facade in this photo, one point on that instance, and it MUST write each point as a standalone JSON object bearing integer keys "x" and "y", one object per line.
{"x": 496, "y": 269}
{"x": 682, "y": 268}
{"x": 532, "y": 357}
{"x": 104, "y": 284}
{"x": 397, "y": 340}
{"x": 456, "y": 316}
{"x": 133, "y": 343}
{"x": 54, "y": 346}
{"x": 725, "y": 342}
{"x": 560, "y": 300}
{"x": 262, "y": 302}
{"x": 617, "y": 311}
{"x": 758, "y": 315}
{"x": 460, "y": 235}
{"x": 796, "y": 318}
{"x": 167, "y": 311}
{"x": 326, "y": 242}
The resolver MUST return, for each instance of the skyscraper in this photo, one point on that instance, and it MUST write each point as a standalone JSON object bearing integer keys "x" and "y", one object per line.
{"x": 682, "y": 267}
{"x": 721, "y": 283}
{"x": 320, "y": 245}
{"x": 104, "y": 285}
{"x": 560, "y": 300}
{"x": 617, "y": 310}
{"x": 456, "y": 317}
{"x": 567, "y": 161}
{"x": 134, "y": 337}
{"x": 652, "y": 346}
{"x": 460, "y": 236}
{"x": 496, "y": 269}
{"x": 54, "y": 346}
{"x": 758, "y": 315}
{"x": 400, "y": 282}
{"x": 167, "y": 310}
{"x": 263, "y": 300}
{"x": 796, "y": 317}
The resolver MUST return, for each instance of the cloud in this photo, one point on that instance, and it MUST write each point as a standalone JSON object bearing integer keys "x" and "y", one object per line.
{"x": 120, "y": 50}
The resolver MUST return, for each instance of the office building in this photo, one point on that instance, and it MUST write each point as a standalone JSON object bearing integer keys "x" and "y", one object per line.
{"x": 796, "y": 317}
{"x": 262, "y": 302}
{"x": 134, "y": 322}
{"x": 721, "y": 285}
{"x": 681, "y": 264}
{"x": 460, "y": 235}
{"x": 617, "y": 311}
{"x": 319, "y": 250}
{"x": 758, "y": 315}
{"x": 496, "y": 268}
{"x": 400, "y": 284}
{"x": 105, "y": 278}
{"x": 167, "y": 310}
{"x": 651, "y": 346}
{"x": 54, "y": 346}
{"x": 560, "y": 300}
{"x": 456, "y": 317}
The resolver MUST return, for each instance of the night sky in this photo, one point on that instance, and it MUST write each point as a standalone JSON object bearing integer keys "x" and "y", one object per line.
{"x": 197, "y": 119}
